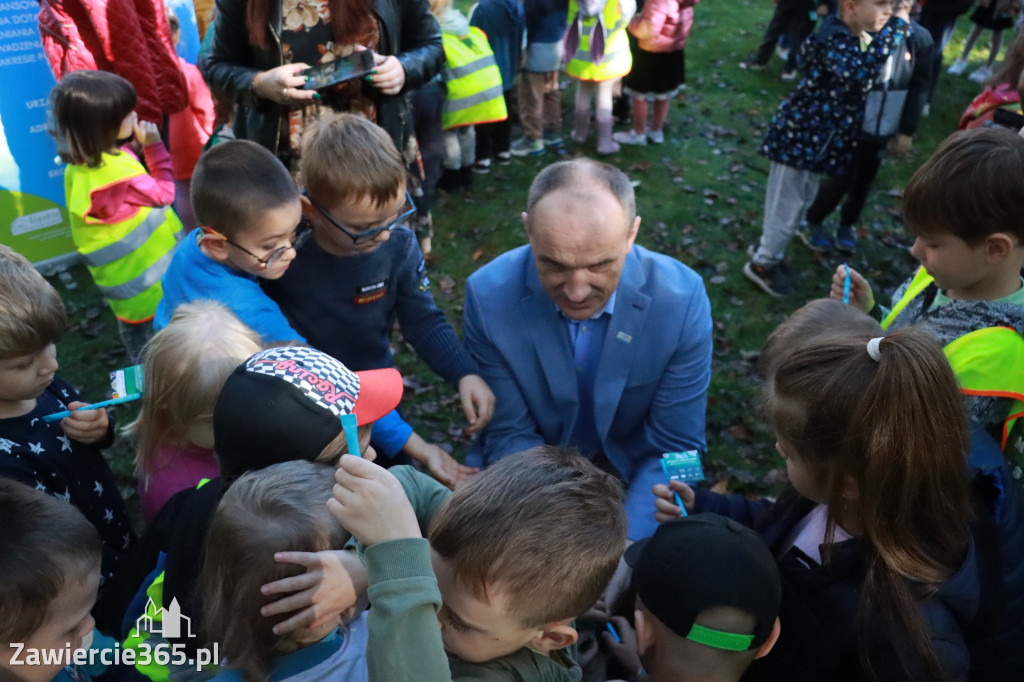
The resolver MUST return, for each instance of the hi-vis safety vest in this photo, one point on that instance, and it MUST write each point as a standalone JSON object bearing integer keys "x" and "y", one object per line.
{"x": 475, "y": 93}
{"x": 617, "y": 60}
{"x": 126, "y": 259}
{"x": 987, "y": 362}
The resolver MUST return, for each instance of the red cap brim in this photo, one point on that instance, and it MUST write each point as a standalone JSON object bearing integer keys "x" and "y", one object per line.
{"x": 380, "y": 391}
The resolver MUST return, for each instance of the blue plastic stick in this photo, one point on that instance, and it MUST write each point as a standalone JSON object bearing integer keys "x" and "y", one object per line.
{"x": 679, "y": 501}
{"x": 351, "y": 427}
{"x": 846, "y": 285}
{"x": 56, "y": 416}
{"x": 615, "y": 635}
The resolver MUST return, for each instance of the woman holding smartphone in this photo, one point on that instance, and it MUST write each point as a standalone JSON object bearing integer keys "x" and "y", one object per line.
{"x": 261, "y": 49}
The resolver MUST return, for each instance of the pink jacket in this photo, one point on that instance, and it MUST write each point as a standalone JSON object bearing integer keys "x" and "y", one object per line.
{"x": 128, "y": 37}
{"x": 664, "y": 25}
{"x": 188, "y": 130}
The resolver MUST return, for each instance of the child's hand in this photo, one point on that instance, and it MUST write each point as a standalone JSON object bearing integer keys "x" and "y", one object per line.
{"x": 624, "y": 651}
{"x": 86, "y": 426}
{"x": 666, "y": 506}
{"x": 370, "y": 502}
{"x": 900, "y": 144}
{"x": 439, "y": 463}
{"x": 333, "y": 583}
{"x": 477, "y": 402}
{"x": 146, "y": 133}
{"x": 860, "y": 291}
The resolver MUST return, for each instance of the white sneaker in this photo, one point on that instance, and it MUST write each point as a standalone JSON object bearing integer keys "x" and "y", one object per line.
{"x": 630, "y": 137}
{"x": 656, "y": 136}
{"x": 957, "y": 67}
{"x": 981, "y": 75}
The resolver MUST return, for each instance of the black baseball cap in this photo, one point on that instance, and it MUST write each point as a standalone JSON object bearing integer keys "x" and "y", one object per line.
{"x": 702, "y": 561}
{"x": 286, "y": 403}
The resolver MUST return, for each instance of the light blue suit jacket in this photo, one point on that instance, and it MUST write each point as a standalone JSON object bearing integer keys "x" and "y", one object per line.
{"x": 651, "y": 384}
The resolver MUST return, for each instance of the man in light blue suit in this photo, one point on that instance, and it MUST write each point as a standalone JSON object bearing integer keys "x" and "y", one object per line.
{"x": 589, "y": 340}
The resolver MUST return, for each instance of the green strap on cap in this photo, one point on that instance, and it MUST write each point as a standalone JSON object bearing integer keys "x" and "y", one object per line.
{"x": 718, "y": 639}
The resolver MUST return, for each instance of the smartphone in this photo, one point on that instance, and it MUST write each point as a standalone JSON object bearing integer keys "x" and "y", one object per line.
{"x": 341, "y": 69}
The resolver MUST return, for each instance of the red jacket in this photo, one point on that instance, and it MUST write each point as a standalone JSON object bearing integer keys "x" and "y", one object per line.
{"x": 128, "y": 37}
{"x": 188, "y": 130}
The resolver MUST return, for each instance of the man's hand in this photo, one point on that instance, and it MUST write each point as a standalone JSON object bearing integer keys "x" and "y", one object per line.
{"x": 665, "y": 504}
{"x": 860, "y": 291}
{"x": 370, "y": 502}
{"x": 439, "y": 463}
{"x": 86, "y": 426}
{"x": 477, "y": 402}
{"x": 333, "y": 583}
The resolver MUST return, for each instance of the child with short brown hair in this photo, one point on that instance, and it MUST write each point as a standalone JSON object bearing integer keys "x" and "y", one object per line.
{"x": 363, "y": 270}
{"x": 518, "y": 553}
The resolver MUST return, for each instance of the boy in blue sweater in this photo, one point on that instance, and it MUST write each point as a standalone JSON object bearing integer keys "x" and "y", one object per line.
{"x": 363, "y": 269}
{"x": 815, "y": 129}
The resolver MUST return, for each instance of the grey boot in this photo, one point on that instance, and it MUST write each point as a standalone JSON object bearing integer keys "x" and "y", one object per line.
{"x": 581, "y": 126}
{"x": 605, "y": 144}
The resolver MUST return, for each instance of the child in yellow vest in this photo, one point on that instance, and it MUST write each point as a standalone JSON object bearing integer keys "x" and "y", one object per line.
{"x": 121, "y": 222}
{"x": 475, "y": 93}
{"x": 597, "y": 52}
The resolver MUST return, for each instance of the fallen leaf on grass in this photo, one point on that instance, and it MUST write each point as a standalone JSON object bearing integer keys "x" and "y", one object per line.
{"x": 447, "y": 284}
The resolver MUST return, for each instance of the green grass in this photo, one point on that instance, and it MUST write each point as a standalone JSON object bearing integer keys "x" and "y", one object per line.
{"x": 700, "y": 197}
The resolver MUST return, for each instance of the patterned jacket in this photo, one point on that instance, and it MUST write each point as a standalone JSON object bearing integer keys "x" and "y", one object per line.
{"x": 817, "y": 125}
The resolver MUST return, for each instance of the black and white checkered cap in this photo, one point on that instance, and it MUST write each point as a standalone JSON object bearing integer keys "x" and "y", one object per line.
{"x": 322, "y": 379}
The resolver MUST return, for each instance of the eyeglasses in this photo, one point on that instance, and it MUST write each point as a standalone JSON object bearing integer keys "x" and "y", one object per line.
{"x": 302, "y": 232}
{"x": 367, "y": 235}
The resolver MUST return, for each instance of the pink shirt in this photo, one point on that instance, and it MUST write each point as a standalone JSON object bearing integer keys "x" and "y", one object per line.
{"x": 175, "y": 469}
{"x": 122, "y": 200}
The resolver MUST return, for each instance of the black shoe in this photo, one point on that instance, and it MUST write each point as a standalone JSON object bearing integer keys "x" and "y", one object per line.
{"x": 774, "y": 280}
{"x": 846, "y": 240}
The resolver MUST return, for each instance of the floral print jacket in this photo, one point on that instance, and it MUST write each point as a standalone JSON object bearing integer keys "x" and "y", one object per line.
{"x": 817, "y": 125}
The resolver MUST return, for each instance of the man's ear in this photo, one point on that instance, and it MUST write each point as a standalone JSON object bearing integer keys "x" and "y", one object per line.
{"x": 998, "y": 246}
{"x": 644, "y": 631}
{"x": 770, "y": 642}
{"x": 633, "y": 231}
{"x": 556, "y": 635}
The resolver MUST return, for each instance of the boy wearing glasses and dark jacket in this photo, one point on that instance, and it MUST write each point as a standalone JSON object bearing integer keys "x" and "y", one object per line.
{"x": 363, "y": 269}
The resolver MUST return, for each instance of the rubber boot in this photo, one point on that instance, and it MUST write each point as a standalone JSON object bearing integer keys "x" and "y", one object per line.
{"x": 581, "y": 126}
{"x": 605, "y": 144}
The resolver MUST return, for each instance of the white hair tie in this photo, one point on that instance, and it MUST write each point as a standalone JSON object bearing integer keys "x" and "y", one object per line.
{"x": 874, "y": 349}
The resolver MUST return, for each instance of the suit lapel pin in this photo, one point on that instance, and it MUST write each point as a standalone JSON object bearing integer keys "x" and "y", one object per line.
{"x": 624, "y": 337}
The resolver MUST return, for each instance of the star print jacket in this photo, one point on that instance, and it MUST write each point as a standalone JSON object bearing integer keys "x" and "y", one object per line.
{"x": 40, "y": 455}
{"x": 817, "y": 125}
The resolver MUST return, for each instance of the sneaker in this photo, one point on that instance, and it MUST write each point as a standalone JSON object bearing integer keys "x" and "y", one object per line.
{"x": 656, "y": 136}
{"x": 752, "y": 65}
{"x": 981, "y": 75}
{"x": 782, "y": 52}
{"x": 482, "y": 166}
{"x": 957, "y": 67}
{"x": 504, "y": 158}
{"x": 771, "y": 279}
{"x": 815, "y": 238}
{"x": 788, "y": 76}
{"x": 524, "y": 146}
{"x": 553, "y": 139}
{"x": 630, "y": 137}
{"x": 846, "y": 240}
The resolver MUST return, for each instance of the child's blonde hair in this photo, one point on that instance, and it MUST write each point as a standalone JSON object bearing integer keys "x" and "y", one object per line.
{"x": 282, "y": 508}
{"x": 185, "y": 366}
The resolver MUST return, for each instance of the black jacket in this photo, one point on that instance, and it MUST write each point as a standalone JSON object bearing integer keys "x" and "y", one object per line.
{"x": 407, "y": 30}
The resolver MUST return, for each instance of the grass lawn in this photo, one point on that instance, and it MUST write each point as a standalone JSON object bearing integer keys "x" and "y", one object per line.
{"x": 700, "y": 197}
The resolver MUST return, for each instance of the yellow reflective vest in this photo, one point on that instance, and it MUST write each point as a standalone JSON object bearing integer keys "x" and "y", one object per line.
{"x": 475, "y": 93}
{"x": 126, "y": 259}
{"x": 617, "y": 59}
{"x": 987, "y": 361}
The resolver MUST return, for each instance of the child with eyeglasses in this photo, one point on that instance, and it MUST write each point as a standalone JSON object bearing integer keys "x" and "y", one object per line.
{"x": 250, "y": 218}
{"x": 363, "y": 270}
